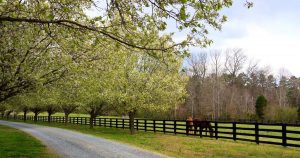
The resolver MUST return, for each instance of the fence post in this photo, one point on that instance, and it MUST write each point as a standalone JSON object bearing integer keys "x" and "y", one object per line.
{"x": 77, "y": 120}
{"x": 110, "y": 125}
{"x": 187, "y": 127}
{"x": 104, "y": 122}
{"x": 234, "y": 130}
{"x": 154, "y": 128}
{"x": 164, "y": 126}
{"x": 85, "y": 121}
{"x": 145, "y": 125}
{"x": 99, "y": 121}
{"x": 116, "y": 123}
{"x": 256, "y": 133}
{"x": 123, "y": 123}
{"x": 175, "y": 126}
{"x": 216, "y": 130}
{"x": 137, "y": 124}
{"x": 284, "y": 134}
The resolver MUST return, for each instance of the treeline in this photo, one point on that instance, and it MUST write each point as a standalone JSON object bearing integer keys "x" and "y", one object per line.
{"x": 226, "y": 85}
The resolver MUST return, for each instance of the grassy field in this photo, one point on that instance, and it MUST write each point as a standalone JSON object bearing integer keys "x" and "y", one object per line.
{"x": 186, "y": 146}
{"x": 181, "y": 125}
{"x": 15, "y": 143}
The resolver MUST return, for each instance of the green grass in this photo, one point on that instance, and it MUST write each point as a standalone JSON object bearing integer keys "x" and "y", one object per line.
{"x": 181, "y": 124}
{"x": 186, "y": 146}
{"x": 15, "y": 143}
{"x": 274, "y": 127}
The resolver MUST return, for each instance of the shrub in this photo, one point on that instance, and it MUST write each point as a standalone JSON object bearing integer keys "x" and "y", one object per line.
{"x": 261, "y": 103}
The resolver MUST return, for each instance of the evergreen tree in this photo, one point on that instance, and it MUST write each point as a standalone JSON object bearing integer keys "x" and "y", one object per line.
{"x": 261, "y": 103}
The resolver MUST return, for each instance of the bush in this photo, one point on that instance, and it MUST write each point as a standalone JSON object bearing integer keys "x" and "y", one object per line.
{"x": 261, "y": 103}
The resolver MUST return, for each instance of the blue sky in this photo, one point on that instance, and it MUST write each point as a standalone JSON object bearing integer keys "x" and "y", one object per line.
{"x": 269, "y": 32}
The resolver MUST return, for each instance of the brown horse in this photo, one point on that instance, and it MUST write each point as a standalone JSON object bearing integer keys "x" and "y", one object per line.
{"x": 198, "y": 123}
{"x": 202, "y": 124}
{"x": 189, "y": 123}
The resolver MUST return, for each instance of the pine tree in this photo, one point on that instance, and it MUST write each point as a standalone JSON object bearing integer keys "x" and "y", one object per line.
{"x": 261, "y": 103}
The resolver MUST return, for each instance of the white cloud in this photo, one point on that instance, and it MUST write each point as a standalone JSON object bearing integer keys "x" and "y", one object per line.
{"x": 269, "y": 32}
{"x": 269, "y": 46}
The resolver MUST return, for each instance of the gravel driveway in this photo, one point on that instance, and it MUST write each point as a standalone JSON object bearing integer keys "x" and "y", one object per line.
{"x": 67, "y": 143}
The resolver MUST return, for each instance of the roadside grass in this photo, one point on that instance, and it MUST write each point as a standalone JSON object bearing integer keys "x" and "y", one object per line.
{"x": 15, "y": 143}
{"x": 184, "y": 146}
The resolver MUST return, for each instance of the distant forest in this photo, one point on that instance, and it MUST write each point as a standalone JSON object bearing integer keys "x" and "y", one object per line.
{"x": 225, "y": 85}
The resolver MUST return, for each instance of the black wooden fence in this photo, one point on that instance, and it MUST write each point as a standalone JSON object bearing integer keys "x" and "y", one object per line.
{"x": 269, "y": 133}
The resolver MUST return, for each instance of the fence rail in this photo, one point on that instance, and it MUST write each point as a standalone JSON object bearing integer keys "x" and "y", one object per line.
{"x": 272, "y": 133}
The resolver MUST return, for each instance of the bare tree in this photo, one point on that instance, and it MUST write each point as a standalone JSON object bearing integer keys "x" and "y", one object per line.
{"x": 282, "y": 91}
{"x": 234, "y": 62}
{"x": 198, "y": 65}
{"x": 215, "y": 56}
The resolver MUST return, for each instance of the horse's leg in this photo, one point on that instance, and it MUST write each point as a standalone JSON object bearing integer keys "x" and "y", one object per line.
{"x": 201, "y": 129}
{"x": 211, "y": 131}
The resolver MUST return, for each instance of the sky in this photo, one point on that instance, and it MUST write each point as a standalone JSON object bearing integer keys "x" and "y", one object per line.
{"x": 269, "y": 33}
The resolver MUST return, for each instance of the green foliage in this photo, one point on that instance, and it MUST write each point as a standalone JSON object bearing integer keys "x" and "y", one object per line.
{"x": 260, "y": 105}
{"x": 145, "y": 83}
{"x": 44, "y": 41}
{"x": 287, "y": 114}
{"x": 195, "y": 17}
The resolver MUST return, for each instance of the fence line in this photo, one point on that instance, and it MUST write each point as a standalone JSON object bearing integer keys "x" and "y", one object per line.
{"x": 268, "y": 133}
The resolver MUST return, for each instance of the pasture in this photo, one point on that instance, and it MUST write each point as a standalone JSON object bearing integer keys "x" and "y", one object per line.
{"x": 278, "y": 134}
{"x": 182, "y": 145}
{"x": 15, "y": 143}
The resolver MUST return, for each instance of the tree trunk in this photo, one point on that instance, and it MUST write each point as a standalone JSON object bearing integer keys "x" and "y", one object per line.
{"x": 131, "y": 122}
{"x": 50, "y": 110}
{"x": 8, "y": 114}
{"x": 66, "y": 118}
{"x": 49, "y": 117}
{"x": 24, "y": 115}
{"x": 35, "y": 116}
